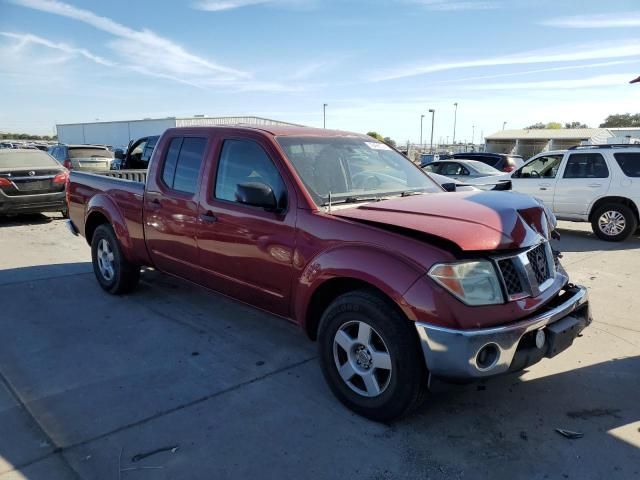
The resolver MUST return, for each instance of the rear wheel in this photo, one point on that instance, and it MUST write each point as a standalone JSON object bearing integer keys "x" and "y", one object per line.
{"x": 614, "y": 222}
{"x": 113, "y": 271}
{"x": 370, "y": 356}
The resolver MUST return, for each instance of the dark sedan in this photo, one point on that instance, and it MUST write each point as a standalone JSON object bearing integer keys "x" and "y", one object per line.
{"x": 31, "y": 181}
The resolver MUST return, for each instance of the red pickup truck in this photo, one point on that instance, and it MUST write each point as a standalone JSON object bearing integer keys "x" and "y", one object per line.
{"x": 395, "y": 278}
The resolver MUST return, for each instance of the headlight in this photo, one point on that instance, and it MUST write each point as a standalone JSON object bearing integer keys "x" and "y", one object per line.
{"x": 475, "y": 282}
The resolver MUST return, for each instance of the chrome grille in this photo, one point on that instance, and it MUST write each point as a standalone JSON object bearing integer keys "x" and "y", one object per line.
{"x": 510, "y": 276}
{"x": 539, "y": 263}
{"x": 528, "y": 273}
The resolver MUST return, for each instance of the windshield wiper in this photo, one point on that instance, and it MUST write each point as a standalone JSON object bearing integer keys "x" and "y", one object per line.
{"x": 353, "y": 199}
{"x": 408, "y": 193}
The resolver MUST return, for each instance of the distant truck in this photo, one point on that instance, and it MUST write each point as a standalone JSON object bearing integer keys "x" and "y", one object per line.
{"x": 396, "y": 279}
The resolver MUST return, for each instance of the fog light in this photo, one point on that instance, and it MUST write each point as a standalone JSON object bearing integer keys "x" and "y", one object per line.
{"x": 540, "y": 339}
{"x": 487, "y": 356}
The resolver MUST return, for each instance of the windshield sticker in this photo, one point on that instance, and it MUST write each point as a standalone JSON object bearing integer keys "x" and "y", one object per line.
{"x": 377, "y": 146}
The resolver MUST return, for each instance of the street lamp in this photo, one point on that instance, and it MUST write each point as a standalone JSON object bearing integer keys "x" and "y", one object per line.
{"x": 473, "y": 133}
{"x": 503, "y": 125}
{"x": 324, "y": 115}
{"x": 421, "y": 119}
{"x": 455, "y": 119}
{"x": 433, "y": 116}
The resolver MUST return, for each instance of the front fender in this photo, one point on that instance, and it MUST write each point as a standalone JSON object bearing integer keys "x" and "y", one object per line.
{"x": 105, "y": 206}
{"x": 386, "y": 271}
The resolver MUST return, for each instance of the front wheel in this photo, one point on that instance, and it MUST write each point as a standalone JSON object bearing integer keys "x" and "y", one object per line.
{"x": 113, "y": 271}
{"x": 370, "y": 356}
{"x": 614, "y": 222}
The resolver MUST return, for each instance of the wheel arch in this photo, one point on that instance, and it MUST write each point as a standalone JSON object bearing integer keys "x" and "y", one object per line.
{"x": 343, "y": 270}
{"x": 614, "y": 199}
{"x": 102, "y": 210}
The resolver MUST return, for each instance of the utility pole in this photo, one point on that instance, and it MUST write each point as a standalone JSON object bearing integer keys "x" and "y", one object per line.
{"x": 433, "y": 117}
{"x": 455, "y": 120}
{"x": 503, "y": 125}
{"x": 473, "y": 134}
{"x": 324, "y": 115}
{"x": 421, "y": 119}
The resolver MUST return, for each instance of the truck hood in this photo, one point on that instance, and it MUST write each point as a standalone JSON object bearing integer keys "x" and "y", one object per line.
{"x": 473, "y": 221}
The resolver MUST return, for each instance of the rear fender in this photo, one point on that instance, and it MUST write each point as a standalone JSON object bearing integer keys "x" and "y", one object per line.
{"x": 389, "y": 273}
{"x": 102, "y": 204}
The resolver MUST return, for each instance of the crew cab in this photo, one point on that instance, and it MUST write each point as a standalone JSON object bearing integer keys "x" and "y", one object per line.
{"x": 587, "y": 183}
{"x": 395, "y": 278}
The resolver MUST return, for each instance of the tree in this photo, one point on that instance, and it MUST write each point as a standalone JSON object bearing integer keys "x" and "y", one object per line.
{"x": 388, "y": 140}
{"x": 554, "y": 125}
{"x": 575, "y": 125}
{"x": 537, "y": 126}
{"x": 621, "y": 120}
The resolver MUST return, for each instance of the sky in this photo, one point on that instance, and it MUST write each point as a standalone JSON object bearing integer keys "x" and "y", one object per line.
{"x": 377, "y": 64}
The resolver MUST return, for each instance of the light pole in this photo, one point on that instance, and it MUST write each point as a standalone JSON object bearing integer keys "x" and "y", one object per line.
{"x": 421, "y": 119}
{"x": 473, "y": 133}
{"x": 455, "y": 119}
{"x": 503, "y": 125}
{"x": 324, "y": 115}
{"x": 433, "y": 117}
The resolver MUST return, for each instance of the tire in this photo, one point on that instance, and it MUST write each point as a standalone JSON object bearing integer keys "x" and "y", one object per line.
{"x": 400, "y": 388}
{"x": 614, "y": 222}
{"x": 114, "y": 272}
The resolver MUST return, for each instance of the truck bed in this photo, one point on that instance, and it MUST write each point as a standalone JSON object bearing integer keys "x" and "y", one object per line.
{"x": 120, "y": 200}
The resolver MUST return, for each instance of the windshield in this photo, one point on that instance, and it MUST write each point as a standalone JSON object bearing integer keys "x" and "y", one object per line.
{"x": 26, "y": 159}
{"x": 88, "y": 152}
{"x": 483, "y": 167}
{"x": 353, "y": 168}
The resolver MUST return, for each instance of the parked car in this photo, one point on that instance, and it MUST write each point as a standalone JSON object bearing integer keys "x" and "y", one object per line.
{"x": 397, "y": 281}
{"x": 462, "y": 170}
{"x": 599, "y": 184}
{"x": 500, "y": 161}
{"x": 31, "y": 181}
{"x": 139, "y": 153}
{"x": 93, "y": 158}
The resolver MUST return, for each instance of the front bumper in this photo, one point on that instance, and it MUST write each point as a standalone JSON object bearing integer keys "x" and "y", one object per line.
{"x": 43, "y": 202}
{"x": 477, "y": 353}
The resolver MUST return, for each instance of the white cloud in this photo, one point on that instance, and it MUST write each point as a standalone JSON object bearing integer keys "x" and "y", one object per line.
{"x": 621, "y": 79}
{"x": 607, "y": 20}
{"x": 163, "y": 55}
{"x": 457, "y": 5}
{"x": 27, "y": 38}
{"x": 568, "y": 54}
{"x": 222, "y": 5}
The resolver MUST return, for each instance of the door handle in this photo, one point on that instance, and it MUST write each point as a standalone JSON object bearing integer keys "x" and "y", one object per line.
{"x": 543, "y": 188}
{"x": 595, "y": 185}
{"x": 154, "y": 204}
{"x": 208, "y": 217}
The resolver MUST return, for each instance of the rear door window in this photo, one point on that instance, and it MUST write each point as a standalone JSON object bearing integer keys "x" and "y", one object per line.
{"x": 586, "y": 165}
{"x": 85, "y": 152}
{"x": 182, "y": 163}
{"x": 629, "y": 163}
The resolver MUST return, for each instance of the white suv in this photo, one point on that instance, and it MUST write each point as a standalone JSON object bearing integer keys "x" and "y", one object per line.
{"x": 588, "y": 183}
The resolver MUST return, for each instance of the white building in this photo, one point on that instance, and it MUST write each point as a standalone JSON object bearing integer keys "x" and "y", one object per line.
{"x": 529, "y": 142}
{"x": 118, "y": 134}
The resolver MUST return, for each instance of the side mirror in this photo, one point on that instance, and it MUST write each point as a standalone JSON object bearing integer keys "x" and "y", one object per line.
{"x": 449, "y": 187}
{"x": 256, "y": 194}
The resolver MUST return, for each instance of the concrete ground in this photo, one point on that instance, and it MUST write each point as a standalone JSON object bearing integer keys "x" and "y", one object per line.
{"x": 88, "y": 381}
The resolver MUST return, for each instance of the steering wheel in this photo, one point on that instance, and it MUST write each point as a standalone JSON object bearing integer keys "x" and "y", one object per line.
{"x": 534, "y": 174}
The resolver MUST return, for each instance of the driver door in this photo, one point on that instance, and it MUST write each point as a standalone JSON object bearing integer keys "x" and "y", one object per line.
{"x": 245, "y": 251}
{"x": 538, "y": 178}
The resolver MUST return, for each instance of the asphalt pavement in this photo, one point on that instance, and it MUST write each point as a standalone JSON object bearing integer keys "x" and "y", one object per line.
{"x": 175, "y": 382}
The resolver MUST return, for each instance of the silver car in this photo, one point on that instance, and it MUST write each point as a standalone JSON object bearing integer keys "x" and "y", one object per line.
{"x": 92, "y": 158}
{"x": 463, "y": 170}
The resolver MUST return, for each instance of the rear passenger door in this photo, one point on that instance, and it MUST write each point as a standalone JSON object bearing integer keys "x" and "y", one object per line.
{"x": 171, "y": 206}
{"x": 584, "y": 178}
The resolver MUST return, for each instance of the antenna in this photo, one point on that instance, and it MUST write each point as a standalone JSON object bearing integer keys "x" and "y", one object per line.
{"x": 329, "y": 201}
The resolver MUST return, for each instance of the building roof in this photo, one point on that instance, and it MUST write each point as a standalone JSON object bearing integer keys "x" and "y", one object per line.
{"x": 550, "y": 134}
{"x": 196, "y": 120}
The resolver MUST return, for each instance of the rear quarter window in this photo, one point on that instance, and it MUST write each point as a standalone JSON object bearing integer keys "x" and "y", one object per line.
{"x": 629, "y": 163}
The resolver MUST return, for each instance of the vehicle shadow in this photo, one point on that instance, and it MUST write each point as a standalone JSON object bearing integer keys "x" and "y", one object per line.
{"x": 513, "y": 418}
{"x": 586, "y": 241}
{"x": 27, "y": 219}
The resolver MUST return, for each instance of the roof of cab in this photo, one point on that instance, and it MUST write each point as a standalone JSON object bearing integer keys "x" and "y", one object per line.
{"x": 283, "y": 130}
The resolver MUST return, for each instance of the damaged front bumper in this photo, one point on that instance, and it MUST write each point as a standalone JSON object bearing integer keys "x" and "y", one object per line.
{"x": 477, "y": 353}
